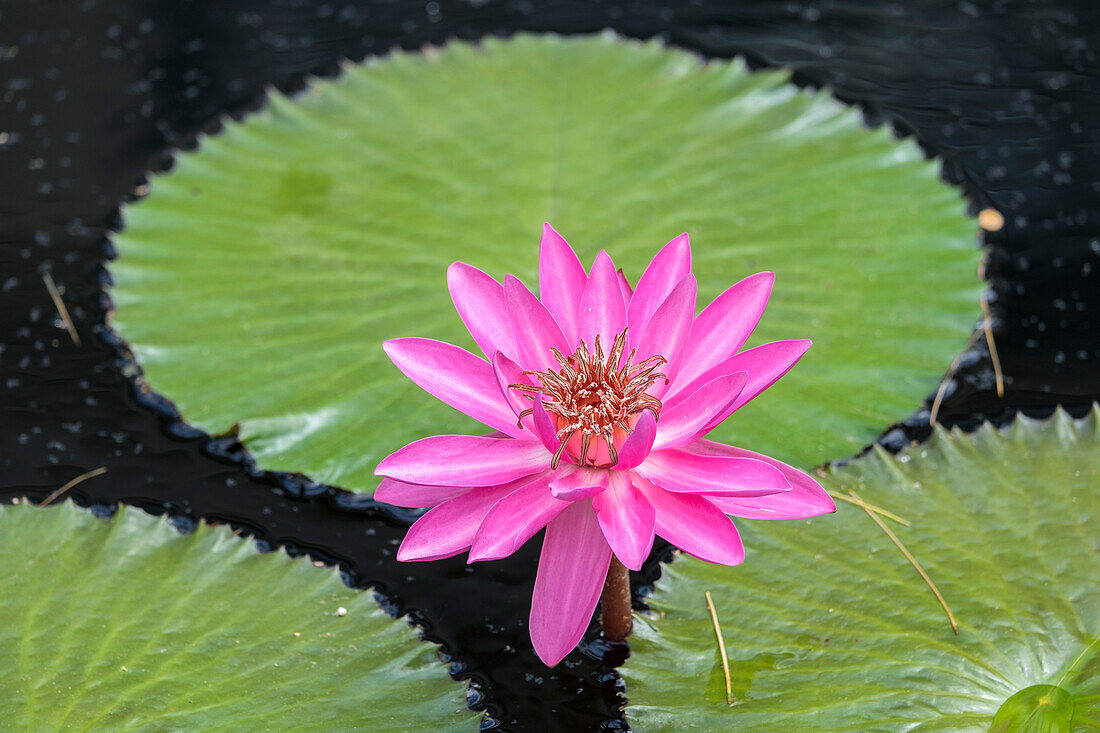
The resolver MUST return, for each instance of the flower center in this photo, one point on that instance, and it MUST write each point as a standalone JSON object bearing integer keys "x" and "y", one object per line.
{"x": 592, "y": 397}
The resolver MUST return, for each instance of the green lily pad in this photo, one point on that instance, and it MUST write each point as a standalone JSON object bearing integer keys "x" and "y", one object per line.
{"x": 258, "y": 279}
{"x": 125, "y": 624}
{"x": 829, "y": 628}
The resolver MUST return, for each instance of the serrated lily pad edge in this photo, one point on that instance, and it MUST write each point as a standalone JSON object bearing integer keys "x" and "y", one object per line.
{"x": 475, "y": 686}
{"x": 1067, "y": 427}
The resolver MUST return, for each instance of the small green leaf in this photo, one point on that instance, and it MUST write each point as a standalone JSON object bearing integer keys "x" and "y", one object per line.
{"x": 125, "y": 624}
{"x": 258, "y": 280}
{"x": 829, "y": 628}
{"x": 1036, "y": 709}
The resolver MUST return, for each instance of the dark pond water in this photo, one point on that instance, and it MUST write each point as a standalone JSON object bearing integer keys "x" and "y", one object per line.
{"x": 95, "y": 94}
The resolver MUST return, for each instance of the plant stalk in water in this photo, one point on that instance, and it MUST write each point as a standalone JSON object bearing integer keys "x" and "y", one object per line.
{"x": 616, "y": 615}
{"x": 600, "y": 393}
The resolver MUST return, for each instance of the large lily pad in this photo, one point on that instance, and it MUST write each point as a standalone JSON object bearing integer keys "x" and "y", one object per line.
{"x": 829, "y": 628}
{"x": 125, "y": 624}
{"x": 259, "y": 278}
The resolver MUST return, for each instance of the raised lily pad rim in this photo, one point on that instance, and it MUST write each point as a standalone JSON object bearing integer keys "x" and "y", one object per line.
{"x": 941, "y": 439}
{"x": 987, "y": 428}
{"x": 939, "y": 434}
{"x": 296, "y": 482}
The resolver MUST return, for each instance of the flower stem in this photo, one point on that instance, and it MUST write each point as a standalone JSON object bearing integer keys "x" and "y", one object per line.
{"x": 616, "y": 616}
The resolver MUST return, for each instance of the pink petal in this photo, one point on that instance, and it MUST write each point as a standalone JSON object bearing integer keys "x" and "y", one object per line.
{"x": 724, "y": 325}
{"x": 507, "y": 373}
{"x": 479, "y": 300}
{"x": 686, "y": 418}
{"x": 681, "y": 471}
{"x": 764, "y": 372}
{"x": 805, "y": 499}
{"x": 694, "y": 525}
{"x": 543, "y": 427}
{"x": 579, "y": 484}
{"x": 462, "y": 380}
{"x": 572, "y": 569}
{"x": 602, "y": 310}
{"x": 668, "y": 331}
{"x": 627, "y": 520}
{"x": 624, "y": 288}
{"x": 765, "y": 365}
{"x": 515, "y": 519}
{"x": 464, "y": 460}
{"x": 561, "y": 280}
{"x": 538, "y": 423}
{"x": 637, "y": 445}
{"x": 399, "y": 493}
{"x": 450, "y": 528}
{"x": 534, "y": 329}
{"x": 665, "y": 271}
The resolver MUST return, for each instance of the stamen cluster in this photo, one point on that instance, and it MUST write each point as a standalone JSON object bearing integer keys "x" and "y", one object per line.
{"x": 626, "y": 477}
{"x": 593, "y": 396}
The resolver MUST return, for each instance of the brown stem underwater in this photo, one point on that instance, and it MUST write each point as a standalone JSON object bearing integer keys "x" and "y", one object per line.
{"x": 616, "y": 616}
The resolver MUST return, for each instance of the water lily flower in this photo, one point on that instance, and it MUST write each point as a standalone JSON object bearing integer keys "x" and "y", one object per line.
{"x": 601, "y": 395}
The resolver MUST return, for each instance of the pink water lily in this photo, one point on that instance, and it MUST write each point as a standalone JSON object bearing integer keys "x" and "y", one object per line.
{"x": 601, "y": 395}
